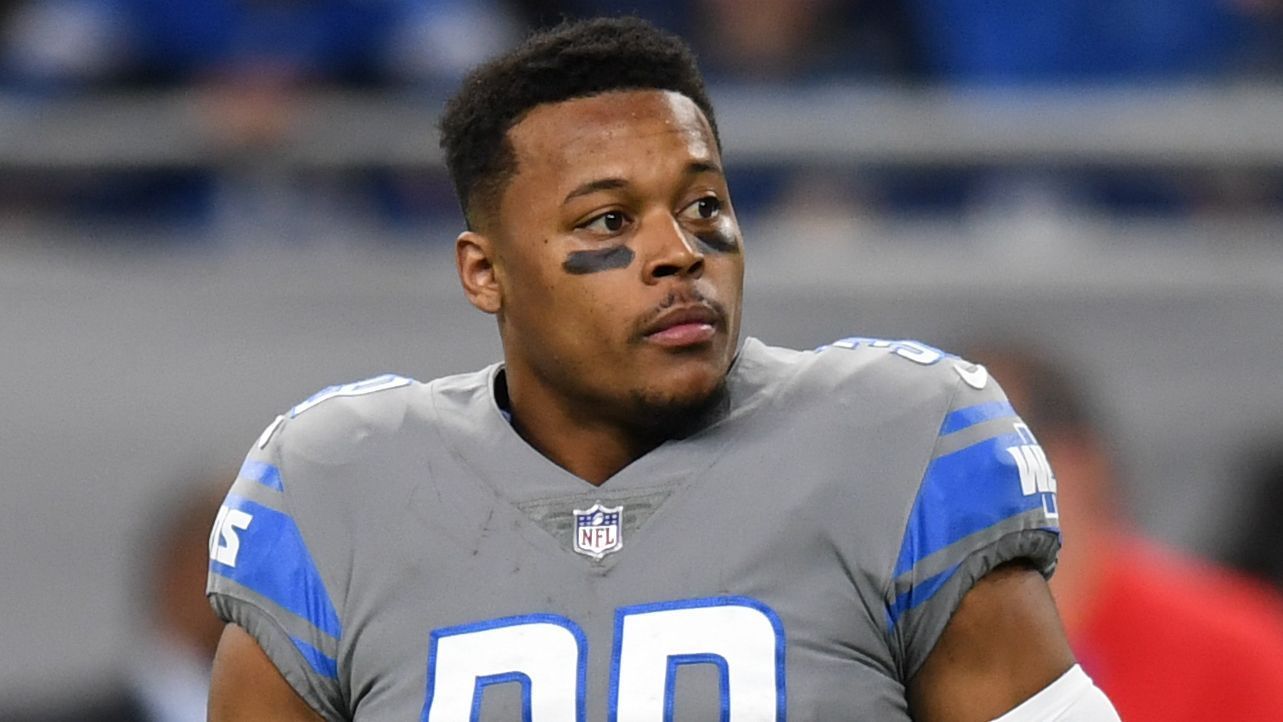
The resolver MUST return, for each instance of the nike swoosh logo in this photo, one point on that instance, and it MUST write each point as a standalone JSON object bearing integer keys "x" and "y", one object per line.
{"x": 977, "y": 377}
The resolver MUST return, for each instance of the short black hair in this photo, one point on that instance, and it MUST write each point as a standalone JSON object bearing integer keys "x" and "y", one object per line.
{"x": 573, "y": 60}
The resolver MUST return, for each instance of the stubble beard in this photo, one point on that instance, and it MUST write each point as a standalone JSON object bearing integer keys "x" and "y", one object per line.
{"x": 668, "y": 416}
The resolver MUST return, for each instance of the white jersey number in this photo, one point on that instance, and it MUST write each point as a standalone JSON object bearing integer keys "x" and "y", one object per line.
{"x": 543, "y": 653}
{"x": 356, "y": 388}
{"x": 918, "y": 353}
{"x": 224, "y": 541}
{"x": 547, "y": 656}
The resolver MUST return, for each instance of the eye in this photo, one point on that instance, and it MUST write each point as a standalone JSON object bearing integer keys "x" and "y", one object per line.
{"x": 704, "y": 209}
{"x": 609, "y": 222}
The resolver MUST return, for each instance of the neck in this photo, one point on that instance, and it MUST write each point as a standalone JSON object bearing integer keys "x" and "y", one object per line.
{"x": 579, "y": 439}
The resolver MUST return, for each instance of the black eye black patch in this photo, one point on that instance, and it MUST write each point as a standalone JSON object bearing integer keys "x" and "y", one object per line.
{"x": 718, "y": 241}
{"x": 595, "y": 261}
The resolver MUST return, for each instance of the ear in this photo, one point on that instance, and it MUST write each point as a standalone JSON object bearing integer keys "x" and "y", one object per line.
{"x": 474, "y": 256}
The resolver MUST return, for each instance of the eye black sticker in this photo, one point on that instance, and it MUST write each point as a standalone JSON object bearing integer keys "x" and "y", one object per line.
{"x": 595, "y": 261}
{"x": 718, "y": 241}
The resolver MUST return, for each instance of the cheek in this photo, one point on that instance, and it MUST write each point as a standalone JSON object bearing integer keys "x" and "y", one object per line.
{"x": 531, "y": 293}
{"x": 722, "y": 239}
{"x": 579, "y": 311}
{"x": 726, "y": 270}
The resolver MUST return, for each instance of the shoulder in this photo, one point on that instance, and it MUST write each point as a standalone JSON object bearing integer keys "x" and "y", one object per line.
{"x": 336, "y": 423}
{"x": 282, "y": 546}
{"x": 970, "y": 488}
{"x": 324, "y": 454}
{"x": 343, "y": 423}
{"x": 901, "y": 390}
{"x": 892, "y": 376}
{"x": 902, "y": 363}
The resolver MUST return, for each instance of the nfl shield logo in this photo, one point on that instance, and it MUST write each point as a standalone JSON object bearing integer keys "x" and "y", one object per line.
{"x": 598, "y": 530}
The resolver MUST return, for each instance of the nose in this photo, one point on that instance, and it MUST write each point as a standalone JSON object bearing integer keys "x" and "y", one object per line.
{"x": 670, "y": 252}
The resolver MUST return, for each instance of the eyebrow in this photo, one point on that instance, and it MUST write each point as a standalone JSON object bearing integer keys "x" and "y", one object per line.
{"x": 609, "y": 184}
{"x": 703, "y": 166}
{"x": 601, "y": 184}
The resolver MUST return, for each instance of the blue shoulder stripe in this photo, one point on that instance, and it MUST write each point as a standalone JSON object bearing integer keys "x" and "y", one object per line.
{"x": 320, "y": 663}
{"x": 963, "y": 493}
{"x": 262, "y": 472}
{"x": 273, "y": 561}
{"x": 972, "y": 415}
{"x": 918, "y": 594}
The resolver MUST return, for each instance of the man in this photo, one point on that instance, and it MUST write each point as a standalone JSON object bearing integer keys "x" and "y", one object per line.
{"x": 636, "y": 516}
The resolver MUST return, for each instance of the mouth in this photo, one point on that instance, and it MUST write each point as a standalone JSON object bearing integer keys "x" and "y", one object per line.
{"x": 683, "y": 326}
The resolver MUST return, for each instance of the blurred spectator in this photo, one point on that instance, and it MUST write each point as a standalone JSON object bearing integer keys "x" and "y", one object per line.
{"x": 671, "y": 15}
{"x": 1012, "y": 41}
{"x": 1256, "y": 542}
{"x": 246, "y": 61}
{"x": 164, "y": 675}
{"x": 43, "y": 43}
{"x": 150, "y": 43}
{"x": 800, "y": 40}
{"x": 1091, "y": 43}
{"x": 805, "y": 41}
{"x": 1165, "y": 636}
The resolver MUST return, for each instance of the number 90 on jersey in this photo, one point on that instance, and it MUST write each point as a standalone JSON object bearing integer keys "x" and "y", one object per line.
{"x": 546, "y": 655}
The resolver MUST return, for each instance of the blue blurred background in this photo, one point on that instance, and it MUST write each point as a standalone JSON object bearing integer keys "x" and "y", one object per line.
{"x": 211, "y": 208}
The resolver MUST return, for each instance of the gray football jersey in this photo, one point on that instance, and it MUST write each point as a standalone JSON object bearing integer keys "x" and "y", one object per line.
{"x": 401, "y": 553}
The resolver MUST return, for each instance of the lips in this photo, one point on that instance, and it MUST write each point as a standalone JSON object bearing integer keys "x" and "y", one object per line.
{"x": 683, "y": 326}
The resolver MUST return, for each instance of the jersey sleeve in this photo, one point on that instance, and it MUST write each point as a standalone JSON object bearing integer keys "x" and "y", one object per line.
{"x": 264, "y": 578}
{"x": 987, "y": 496}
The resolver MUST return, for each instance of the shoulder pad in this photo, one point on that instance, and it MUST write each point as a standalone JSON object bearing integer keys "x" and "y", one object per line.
{"x": 916, "y": 357}
{"x": 332, "y": 424}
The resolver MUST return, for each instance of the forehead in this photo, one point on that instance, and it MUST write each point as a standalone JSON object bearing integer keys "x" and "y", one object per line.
{"x": 585, "y": 137}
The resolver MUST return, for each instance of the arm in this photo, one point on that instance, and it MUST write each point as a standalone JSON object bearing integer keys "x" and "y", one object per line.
{"x": 1002, "y": 645}
{"x": 275, "y": 590}
{"x": 246, "y": 686}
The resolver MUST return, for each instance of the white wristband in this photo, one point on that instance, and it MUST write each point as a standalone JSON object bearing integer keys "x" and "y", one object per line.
{"x": 1071, "y": 698}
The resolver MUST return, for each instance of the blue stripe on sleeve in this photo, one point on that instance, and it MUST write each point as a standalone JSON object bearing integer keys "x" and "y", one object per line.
{"x": 918, "y": 594}
{"x": 262, "y": 472}
{"x": 972, "y": 415}
{"x": 273, "y": 561}
{"x": 962, "y": 493}
{"x": 321, "y": 664}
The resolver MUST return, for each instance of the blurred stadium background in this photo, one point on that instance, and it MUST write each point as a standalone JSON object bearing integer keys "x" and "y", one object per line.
{"x": 211, "y": 208}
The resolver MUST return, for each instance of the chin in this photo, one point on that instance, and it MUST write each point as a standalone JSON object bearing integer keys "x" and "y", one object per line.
{"x": 681, "y": 409}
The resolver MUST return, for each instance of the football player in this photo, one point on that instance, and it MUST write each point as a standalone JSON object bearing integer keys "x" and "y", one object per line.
{"x": 637, "y": 516}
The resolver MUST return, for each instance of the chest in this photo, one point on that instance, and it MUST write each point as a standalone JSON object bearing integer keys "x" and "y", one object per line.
{"x": 755, "y": 586}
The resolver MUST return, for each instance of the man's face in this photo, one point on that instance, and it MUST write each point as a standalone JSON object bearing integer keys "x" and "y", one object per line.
{"x": 618, "y": 255}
